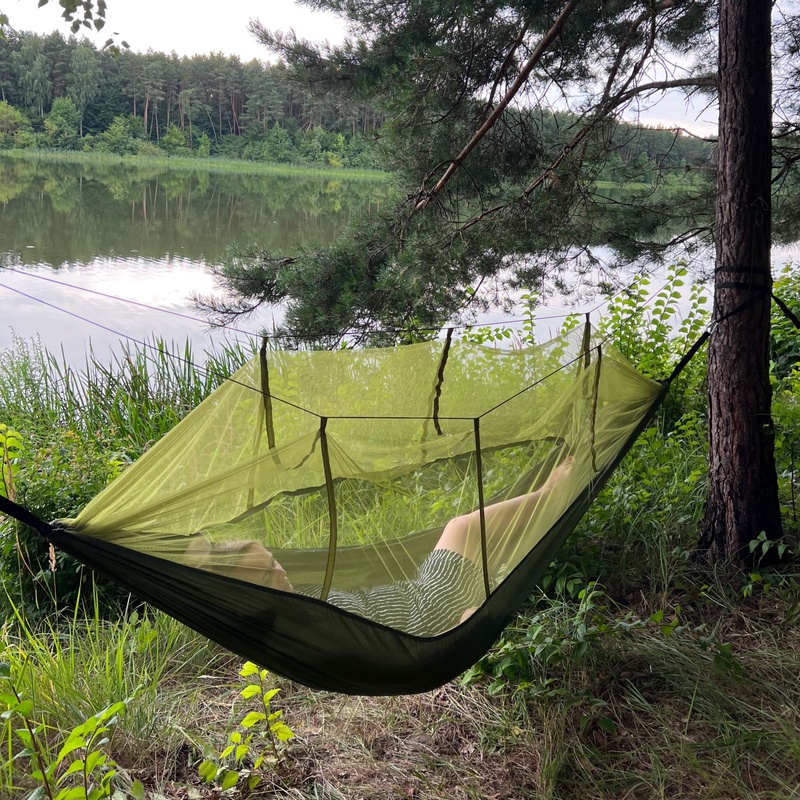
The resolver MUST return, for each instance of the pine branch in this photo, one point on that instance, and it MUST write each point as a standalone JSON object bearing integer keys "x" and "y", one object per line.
{"x": 520, "y": 81}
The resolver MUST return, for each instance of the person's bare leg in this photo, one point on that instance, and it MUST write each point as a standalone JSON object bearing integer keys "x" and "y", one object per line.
{"x": 462, "y": 533}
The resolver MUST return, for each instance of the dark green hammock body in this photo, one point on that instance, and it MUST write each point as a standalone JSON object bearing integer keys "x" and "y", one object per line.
{"x": 346, "y": 466}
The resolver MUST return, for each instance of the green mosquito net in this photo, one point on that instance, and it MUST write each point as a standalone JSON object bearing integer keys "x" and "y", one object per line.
{"x": 400, "y": 486}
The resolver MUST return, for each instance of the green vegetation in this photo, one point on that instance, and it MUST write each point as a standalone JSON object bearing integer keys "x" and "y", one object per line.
{"x": 636, "y": 670}
{"x": 62, "y": 93}
{"x": 227, "y": 165}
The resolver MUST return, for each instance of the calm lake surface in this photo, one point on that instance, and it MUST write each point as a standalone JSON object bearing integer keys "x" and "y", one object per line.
{"x": 77, "y": 236}
{"x": 74, "y": 233}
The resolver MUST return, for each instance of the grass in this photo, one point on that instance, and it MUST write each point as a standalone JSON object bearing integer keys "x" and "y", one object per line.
{"x": 134, "y": 398}
{"x": 227, "y": 165}
{"x": 640, "y": 673}
{"x": 73, "y": 668}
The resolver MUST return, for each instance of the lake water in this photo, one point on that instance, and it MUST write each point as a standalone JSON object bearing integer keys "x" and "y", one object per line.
{"x": 76, "y": 236}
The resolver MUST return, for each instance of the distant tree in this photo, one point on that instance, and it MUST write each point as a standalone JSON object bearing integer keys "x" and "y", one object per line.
{"x": 58, "y": 50}
{"x": 117, "y": 138}
{"x": 62, "y": 124}
{"x": 203, "y": 146}
{"x": 33, "y": 75}
{"x": 187, "y": 108}
{"x": 83, "y": 79}
{"x": 9, "y": 44}
{"x": 278, "y": 146}
{"x": 153, "y": 89}
{"x": 173, "y": 140}
{"x": 12, "y": 120}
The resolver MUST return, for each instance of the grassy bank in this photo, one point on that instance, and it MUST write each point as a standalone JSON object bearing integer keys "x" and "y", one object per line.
{"x": 195, "y": 164}
{"x": 637, "y": 671}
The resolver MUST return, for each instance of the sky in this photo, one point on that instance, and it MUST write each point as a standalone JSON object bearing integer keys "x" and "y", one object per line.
{"x": 190, "y": 27}
{"x": 185, "y": 26}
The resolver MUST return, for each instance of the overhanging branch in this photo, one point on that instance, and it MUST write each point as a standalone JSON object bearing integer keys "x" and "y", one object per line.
{"x": 520, "y": 81}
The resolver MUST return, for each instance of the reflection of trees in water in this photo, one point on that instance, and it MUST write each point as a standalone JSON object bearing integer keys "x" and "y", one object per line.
{"x": 58, "y": 213}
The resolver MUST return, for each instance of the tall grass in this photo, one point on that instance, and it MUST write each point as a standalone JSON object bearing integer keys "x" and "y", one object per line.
{"x": 133, "y": 399}
{"x": 70, "y": 670}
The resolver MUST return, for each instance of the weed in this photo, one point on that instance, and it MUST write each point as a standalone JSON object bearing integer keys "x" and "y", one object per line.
{"x": 262, "y": 740}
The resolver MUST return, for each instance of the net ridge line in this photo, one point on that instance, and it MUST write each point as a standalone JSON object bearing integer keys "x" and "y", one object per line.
{"x": 209, "y": 373}
{"x": 129, "y": 301}
{"x": 278, "y": 336}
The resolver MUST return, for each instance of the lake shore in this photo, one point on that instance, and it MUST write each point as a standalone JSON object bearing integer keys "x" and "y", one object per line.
{"x": 211, "y": 164}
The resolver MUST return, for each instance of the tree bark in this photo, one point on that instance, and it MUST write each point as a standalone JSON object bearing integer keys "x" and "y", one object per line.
{"x": 743, "y": 485}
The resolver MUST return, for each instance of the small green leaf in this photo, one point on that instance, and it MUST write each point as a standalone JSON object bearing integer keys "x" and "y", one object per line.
{"x": 283, "y": 732}
{"x": 608, "y": 725}
{"x": 253, "y": 718}
{"x": 230, "y": 780}
{"x": 73, "y": 743}
{"x": 75, "y": 766}
{"x": 137, "y": 790}
{"x": 208, "y": 771}
{"x": 95, "y": 760}
{"x": 24, "y": 735}
{"x": 250, "y": 691}
{"x": 248, "y": 669}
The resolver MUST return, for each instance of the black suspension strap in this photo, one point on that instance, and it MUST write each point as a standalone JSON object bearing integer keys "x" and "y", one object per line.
{"x": 587, "y": 341}
{"x": 787, "y": 312}
{"x": 262, "y": 355}
{"x": 690, "y": 354}
{"x": 51, "y": 533}
{"x": 440, "y": 381}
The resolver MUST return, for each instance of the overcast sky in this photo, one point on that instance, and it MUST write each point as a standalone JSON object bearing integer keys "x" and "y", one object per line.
{"x": 185, "y": 26}
{"x": 189, "y": 27}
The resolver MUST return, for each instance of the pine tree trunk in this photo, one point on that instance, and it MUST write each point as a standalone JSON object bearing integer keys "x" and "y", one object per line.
{"x": 743, "y": 490}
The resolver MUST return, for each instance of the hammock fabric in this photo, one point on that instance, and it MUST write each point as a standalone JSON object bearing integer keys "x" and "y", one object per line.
{"x": 346, "y": 466}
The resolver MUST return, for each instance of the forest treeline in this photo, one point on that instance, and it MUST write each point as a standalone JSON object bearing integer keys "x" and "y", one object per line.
{"x": 62, "y": 92}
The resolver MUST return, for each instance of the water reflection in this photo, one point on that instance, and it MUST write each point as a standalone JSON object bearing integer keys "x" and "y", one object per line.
{"x": 54, "y": 213}
{"x": 146, "y": 234}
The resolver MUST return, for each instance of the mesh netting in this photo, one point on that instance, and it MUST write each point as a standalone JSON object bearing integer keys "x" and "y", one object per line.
{"x": 402, "y": 485}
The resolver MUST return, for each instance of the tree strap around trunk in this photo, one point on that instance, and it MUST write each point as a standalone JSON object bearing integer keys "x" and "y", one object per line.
{"x": 692, "y": 351}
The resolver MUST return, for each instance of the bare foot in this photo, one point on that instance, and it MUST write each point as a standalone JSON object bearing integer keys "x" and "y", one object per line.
{"x": 561, "y": 472}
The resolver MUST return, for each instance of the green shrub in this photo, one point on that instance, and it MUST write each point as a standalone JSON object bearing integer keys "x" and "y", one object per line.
{"x": 76, "y": 432}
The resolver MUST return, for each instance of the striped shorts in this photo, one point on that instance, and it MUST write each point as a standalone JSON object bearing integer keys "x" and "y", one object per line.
{"x": 445, "y": 586}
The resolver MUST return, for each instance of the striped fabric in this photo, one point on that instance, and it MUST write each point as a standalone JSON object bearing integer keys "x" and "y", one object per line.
{"x": 445, "y": 586}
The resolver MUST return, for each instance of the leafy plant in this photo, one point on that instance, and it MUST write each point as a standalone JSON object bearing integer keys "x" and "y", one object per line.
{"x": 654, "y": 330}
{"x": 81, "y": 769}
{"x": 10, "y": 454}
{"x": 261, "y": 741}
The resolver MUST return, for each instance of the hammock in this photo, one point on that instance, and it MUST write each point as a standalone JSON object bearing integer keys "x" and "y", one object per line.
{"x": 346, "y": 468}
